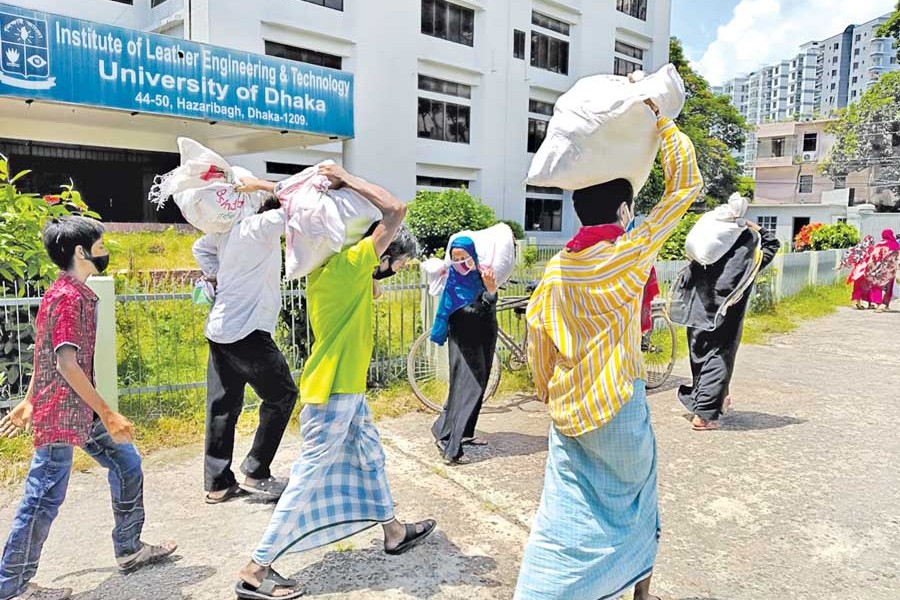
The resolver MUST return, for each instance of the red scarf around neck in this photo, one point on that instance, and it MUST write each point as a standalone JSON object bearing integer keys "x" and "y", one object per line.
{"x": 591, "y": 236}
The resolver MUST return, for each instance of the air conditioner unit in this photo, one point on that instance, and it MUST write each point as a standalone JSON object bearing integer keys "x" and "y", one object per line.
{"x": 809, "y": 156}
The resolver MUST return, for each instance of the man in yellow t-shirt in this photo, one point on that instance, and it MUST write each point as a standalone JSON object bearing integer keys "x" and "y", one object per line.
{"x": 338, "y": 486}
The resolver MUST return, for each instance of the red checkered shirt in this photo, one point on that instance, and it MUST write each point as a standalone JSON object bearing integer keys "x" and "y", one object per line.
{"x": 67, "y": 317}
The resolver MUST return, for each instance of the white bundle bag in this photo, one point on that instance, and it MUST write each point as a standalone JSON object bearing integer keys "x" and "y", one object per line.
{"x": 320, "y": 221}
{"x": 717, "y": 231}
{"x": 495, "y": 246}
{"x": 601, "y": 130}
{"x": 204, "y": 189}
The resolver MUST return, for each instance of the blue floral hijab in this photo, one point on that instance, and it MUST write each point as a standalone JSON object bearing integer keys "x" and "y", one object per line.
{"x": 459, "y": 292}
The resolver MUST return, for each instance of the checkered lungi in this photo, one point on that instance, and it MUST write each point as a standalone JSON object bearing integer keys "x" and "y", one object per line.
{"x": 338, "y": 486}
{"x": 597, "y": 528}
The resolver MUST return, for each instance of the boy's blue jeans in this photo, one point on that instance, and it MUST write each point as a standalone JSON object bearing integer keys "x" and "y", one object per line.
{"x": 45, "y": 490}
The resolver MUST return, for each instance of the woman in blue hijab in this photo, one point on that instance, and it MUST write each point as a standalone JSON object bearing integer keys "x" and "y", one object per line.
{"x": 467, "y": 317}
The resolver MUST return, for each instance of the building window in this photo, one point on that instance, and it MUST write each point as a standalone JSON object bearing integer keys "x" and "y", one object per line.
{"x": 549, "y": 23}
{"x": 634, "y": 8}
{"x": 834, "y": 72}
{"x": 155, "y": 3}
{"x": 303, "y": 55}
{"x": 540, "y": 108}
{"x": 440, "y": 86}
{"x": 441, "y": 182}
{"x": 537, "y": 131}
{"x": 549, "y": 53}
{"x": 281, "y": 168}
{"x": 448, "y": 21}
{"x": 778, "y": 147}
{"x": 842, "y": 219}
{"x": 443, "y": 121}
{"x": 543, "y": 214}
{"x": 335, "y": 4}
{"x": 856, "y": 52}
{"x": 858, "y": 37}
{"x": 519, "y": 44}
{"x": 855, "y": 66}
{"x": 629, "y": 50}
{"x": 855, "y": 79}
{"x": 810, "y": 142}
{"x": 836, "y": 46}
{"x": 624, "y": 67}
{"x": 806, "y": 184}
{"x": 834, "y": 60}
{"x": 768, "y": 223}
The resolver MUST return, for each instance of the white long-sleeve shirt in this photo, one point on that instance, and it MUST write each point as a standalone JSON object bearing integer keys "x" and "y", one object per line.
{"x": 246, "y": 262}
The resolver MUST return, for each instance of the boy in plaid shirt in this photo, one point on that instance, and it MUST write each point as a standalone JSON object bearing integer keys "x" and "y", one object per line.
{"x": 66, "y": 411}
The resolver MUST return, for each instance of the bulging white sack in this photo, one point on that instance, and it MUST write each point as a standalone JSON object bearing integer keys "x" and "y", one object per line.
{"x": 717, "y": 231}
{"x": 601, "y": 130}
{"x": 203, "y": 187}
{"x": 320, "y": 221}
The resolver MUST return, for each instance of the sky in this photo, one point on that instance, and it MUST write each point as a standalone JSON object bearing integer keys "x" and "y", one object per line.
{"x": 724, "y": 38}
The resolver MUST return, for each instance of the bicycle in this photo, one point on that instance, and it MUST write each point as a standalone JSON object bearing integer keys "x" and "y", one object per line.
{"x": 428, "y": 368}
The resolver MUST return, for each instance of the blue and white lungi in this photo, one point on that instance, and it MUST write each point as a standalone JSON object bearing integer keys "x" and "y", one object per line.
{"x": 596, "y": 532}
{"x": 338, "y": 486}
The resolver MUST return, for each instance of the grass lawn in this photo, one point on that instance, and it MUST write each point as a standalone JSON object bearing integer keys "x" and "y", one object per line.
{"x": 811, "y": 303}
{"x": 151, "y": 251}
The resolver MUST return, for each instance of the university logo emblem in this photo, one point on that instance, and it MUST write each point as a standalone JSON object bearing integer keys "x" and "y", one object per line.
{"x": 24, "y": 53}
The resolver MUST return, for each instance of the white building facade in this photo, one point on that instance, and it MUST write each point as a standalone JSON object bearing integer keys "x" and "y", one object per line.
{"x": 447, "y": 93}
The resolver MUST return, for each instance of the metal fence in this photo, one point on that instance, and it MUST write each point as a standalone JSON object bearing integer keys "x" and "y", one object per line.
{"x": 162, "y": 352}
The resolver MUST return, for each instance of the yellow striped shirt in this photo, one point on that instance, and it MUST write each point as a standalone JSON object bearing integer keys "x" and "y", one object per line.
{"x": 584, "y": 330}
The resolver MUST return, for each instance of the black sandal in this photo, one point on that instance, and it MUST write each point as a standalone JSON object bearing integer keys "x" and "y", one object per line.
{"x": 230, "y": 494}
{"x": 412, "y": 537}
{"x": 475, "y": 441}
{"x": 267, "y": 587}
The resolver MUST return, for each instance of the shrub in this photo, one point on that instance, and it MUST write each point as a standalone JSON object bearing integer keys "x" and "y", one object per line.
{"x": 673, "y": 249}
{"x": 530, "y": 256}
{"x": 762, "y": 299}
{"x": 434, "y": 216}
{"x": 802, "y": 241}
{"x": 831, "y": 237}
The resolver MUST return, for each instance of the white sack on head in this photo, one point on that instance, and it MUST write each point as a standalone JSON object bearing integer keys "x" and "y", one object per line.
{"x": 601, "y": 130}
{"x": 495, "y": 246}
{"x": 320, "y": 221}
{"x": 717, "y": 231}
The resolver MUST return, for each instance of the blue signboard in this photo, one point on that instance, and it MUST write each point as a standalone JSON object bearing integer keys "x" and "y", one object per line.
{"x": 49, "y": 57}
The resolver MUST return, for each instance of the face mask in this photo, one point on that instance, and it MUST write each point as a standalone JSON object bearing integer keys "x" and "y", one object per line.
{"x": 462, "y": 267}
{"x": 100, "y": 262}
{"x": 379, "y": 274}
{"x": 626, "y": 217}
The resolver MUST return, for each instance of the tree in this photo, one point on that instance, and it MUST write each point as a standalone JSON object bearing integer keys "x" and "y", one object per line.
{"x": 716, "y": 128}
{"x": 868, "y": 135}
{"x": 434, "y": 216}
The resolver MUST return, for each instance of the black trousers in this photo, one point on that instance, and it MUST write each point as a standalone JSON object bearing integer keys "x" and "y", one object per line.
{"x": 257, "y": 361}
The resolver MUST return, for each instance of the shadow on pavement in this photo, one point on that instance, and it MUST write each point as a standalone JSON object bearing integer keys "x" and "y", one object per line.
{"x": 163, "y": 581}
{"x": 520, "y": 401}
{"x": 421, "y": 573}
{"x": 504, "y": 444}
{"x": 757, "y": 421}
{"x": 671, "y": 384}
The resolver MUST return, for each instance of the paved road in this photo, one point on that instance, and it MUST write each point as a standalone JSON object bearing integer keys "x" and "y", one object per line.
{"x": 797, "y": 498}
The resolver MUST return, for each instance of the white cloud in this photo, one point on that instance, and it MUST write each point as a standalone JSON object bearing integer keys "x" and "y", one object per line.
{"x": 766, "y": 31}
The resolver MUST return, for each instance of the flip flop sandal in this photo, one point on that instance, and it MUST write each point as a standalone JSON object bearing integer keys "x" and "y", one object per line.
{"x": 710, "y": 426}
{"x": 267, "y": 588}
{"x": 412, "y": 538}
{"x": 475, "y": 442}
{"x": 147, "y": 555}
{"x": 271, "y": 487}
{"x": 36, "y": 592}
{"x": 230, "y": 494}
{"x": 457, "y": 462}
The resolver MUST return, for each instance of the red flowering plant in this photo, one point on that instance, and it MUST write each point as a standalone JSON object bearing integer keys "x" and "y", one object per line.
{"x": 802, "y": 241}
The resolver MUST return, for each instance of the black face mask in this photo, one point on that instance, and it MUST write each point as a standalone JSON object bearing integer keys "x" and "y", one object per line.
{"x": 100, "y": 262}
{"x": 379, "y": 274}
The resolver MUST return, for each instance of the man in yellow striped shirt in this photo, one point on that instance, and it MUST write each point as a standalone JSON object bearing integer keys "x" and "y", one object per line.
{"x": 596, "y": 531}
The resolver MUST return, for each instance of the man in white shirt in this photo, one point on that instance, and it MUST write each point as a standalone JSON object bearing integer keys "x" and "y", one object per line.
{"x": 244, "y": 265}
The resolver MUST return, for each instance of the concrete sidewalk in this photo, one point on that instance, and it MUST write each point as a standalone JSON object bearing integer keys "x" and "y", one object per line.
{"x": 796, "y": 498}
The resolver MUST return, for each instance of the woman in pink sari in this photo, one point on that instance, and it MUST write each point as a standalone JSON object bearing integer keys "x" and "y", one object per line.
{"x": 857, "y": 260}
{"x": 882, "y": 269}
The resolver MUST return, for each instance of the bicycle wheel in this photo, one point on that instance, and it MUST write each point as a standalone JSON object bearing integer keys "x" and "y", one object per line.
{"x": 428, "y": 372}
{"x": 658, "y": 347}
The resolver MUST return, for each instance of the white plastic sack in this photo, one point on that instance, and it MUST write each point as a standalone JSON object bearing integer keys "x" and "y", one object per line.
{"x": 203, "y": 187}
{"x": 495, "y": 246}
{"x": 320, "y": 221}
{"x": 717, "y": 231}
{"x": 601, "y": 130}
